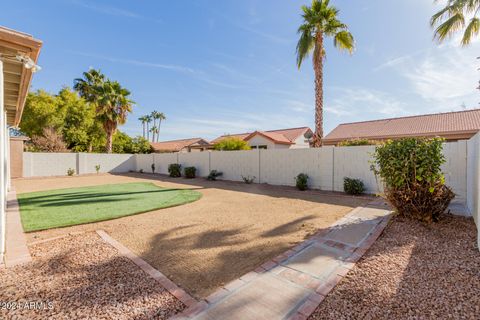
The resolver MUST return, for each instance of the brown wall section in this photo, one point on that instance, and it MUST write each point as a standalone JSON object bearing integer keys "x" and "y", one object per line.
{"x": 16, "y": 156}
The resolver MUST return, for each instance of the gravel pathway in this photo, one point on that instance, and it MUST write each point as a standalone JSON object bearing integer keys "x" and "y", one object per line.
{"x": 412, "y": 271}
{"x": 82, "y": 277}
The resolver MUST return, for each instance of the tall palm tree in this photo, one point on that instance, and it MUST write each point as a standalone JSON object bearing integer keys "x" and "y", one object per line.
{"x": 149, "y": 119}
{"x": 154, "y": 115}
{"x": 159, "y": 116}
{"x": 452, "y": 18}
{"x": 320, "y": 20}
{"x": 113, "y": 105}
{"x": 144, "y": 120}
{"x": 154, "y": 130}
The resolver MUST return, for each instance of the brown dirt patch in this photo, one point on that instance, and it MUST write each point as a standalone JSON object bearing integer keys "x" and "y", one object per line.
{"x": 230, "y": 231}
{"x": 412, "y": 271}
{"x": 83, "y": 277}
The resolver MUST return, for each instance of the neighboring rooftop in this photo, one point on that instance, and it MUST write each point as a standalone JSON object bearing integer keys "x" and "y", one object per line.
{"x": 282, "y": 136}
{"x": 177, "y": 145}
{"x": 449, "y": 125}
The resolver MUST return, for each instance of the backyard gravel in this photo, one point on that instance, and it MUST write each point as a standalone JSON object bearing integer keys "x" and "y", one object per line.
{"x": 201, "y": 246}
{"x": 413, "y": 271}
{"x": 80, "y": 277}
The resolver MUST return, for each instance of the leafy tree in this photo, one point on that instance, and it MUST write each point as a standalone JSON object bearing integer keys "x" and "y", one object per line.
{"x": 320, "y": 20}
{"x": 230, "y": 144}
{"x": 140, "y": 145}
{"x": 41, "y": 111}
{"x": 110, "y": 99}
{"x": 452, "y": 18}
{"x": 123, "y": 143}
{"x": 49, "y": 141}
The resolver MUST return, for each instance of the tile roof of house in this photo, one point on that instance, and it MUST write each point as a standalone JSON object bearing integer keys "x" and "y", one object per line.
{"x": 460, "y": 124}
{"x": 176, "y": 145}
{"x": 285, "y": 136}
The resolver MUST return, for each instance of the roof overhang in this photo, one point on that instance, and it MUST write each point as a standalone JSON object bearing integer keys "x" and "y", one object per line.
{"x": 16, "y": 77}
{"x": 255, "y": 133}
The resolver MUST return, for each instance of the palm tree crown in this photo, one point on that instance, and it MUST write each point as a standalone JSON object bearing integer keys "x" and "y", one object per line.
{"x": 452, "y": 18}
{"x": 320, "y": 20}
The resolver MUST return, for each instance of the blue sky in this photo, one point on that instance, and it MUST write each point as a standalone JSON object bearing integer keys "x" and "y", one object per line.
{"x": 216, "y": 67}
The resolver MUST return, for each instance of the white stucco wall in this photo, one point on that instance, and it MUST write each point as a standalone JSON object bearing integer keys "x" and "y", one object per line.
{"x": 234, "y": 164}
{"x": 473, "y": 180}
{"x": 199, "y": 160}
{"x": 300, "y": 143}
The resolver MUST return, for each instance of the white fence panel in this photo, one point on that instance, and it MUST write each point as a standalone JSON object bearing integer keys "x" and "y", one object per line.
{"x": 473, "y": 180}
{"x": 280, "y": 167}
{"x": 162, "y": 161}
{"x": 354, "y": 162}
{"x": 234, "y": 164}
{"x": 38, "y": 164}
{"x": 115, "y": 163}
{"x": 455, "y": 168}
{"x": 144, "y": 162}
{"x": 199, "y": 160}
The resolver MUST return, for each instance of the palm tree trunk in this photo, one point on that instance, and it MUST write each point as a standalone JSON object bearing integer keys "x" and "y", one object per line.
{"x": 153, "y": 133}
{"x": 158, "y": 132}
{"x": 148, "y": 131}
{"x": 109, "y": 144}
{"x": 143, "y": 124}
{"x": 318, "y": 68}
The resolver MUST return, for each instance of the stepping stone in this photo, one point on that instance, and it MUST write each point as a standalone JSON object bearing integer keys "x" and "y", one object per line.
{"x": 267, "y": 297}
{"x": 317, "y": 260}
{"x": 352, "y": 233}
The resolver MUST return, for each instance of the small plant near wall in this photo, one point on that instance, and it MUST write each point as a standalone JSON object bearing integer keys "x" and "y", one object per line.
{"x": 410, "y": 170}
{"x": 301, "y": 181}
{"x": 353, "y": 186}
{"x": 214, "y": 174}
{"x": 97, "y": 168}
{"x": 248, "y": 179}
{"x": 174, "y": 170}
{"x": 190, "y": 172}
{"x": 140, "y": 171}
{"x": 70, "y": 172}
{"x": 153, "y": 168}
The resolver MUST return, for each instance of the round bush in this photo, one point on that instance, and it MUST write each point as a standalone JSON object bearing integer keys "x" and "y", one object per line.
{"x": 301, "y": 181}
{"x": 353, "y": 186}
{"x": 174, "y": 170}
{"x": 190, "y": 172}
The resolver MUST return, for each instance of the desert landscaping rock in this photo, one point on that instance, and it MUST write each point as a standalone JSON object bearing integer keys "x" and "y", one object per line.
{"x": 413, "y": 271}
{"x": 83, "y": 277}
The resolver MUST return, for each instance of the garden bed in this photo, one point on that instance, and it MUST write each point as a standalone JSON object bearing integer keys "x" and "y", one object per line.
{"x": 413, "y": 271}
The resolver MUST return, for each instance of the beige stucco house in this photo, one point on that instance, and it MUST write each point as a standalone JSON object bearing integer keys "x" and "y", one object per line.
{"x": 293, "y": 138}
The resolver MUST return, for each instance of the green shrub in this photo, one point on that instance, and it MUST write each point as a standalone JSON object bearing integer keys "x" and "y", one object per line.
{"x": 214, "y": 174}
{"x": 97, "y": 168}
{"x": 248, "y": 179}
{"x": 153, "y": 168}
{"x": 410, "y": 169}
{"x": 140, "y": 171}
{"x": 174, "y": 170}
{"x": 231, "y": 144}
{"x": 353, "y": 186}
{"x": 70, "y": 172}
{"x": 357, "y": 142}
{"x": 190, "y": 172}
{"x": 301, "y": 181}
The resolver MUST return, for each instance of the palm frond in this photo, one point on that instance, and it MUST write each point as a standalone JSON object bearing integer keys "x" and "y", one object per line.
{"x": 447, "y": 28}
{"x": 472, "y": 30}
{"x": 305, "y": 44}
{"x": 343, "y": 40}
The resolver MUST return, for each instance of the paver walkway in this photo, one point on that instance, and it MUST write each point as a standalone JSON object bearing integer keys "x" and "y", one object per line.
{"x": 293, "y": 284}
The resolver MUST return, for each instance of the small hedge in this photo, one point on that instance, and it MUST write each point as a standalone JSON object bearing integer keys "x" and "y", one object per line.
{"x": 410, "y": 169}
{"x": 301, "y": 181}
{"x": 214, "y": 174}
{"x": 353, "y": 186}
{"x": 174, "y": 170}
{"x": 190, "y": 172}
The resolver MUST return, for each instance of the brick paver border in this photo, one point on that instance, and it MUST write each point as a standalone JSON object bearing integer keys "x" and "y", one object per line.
{"x": 169, "y": 285}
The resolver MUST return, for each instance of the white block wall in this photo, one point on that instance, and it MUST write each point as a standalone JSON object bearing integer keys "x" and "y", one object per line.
{"x": 234, "y": 164}
{"x": 108, "y": 162}
{"x": 473, "y": 180}
{"x": 36, "y": 164}
{"x": 199, "y": 160}
{"x": 280, "y": 167}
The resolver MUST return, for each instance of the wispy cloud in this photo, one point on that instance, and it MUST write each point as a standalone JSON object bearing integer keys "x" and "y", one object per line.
{"x": 109, "y": 10}
{"x": 139, "y": 63}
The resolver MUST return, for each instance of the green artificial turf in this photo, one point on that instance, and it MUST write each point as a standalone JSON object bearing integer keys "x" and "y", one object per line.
{"x": 66, "y": 207}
